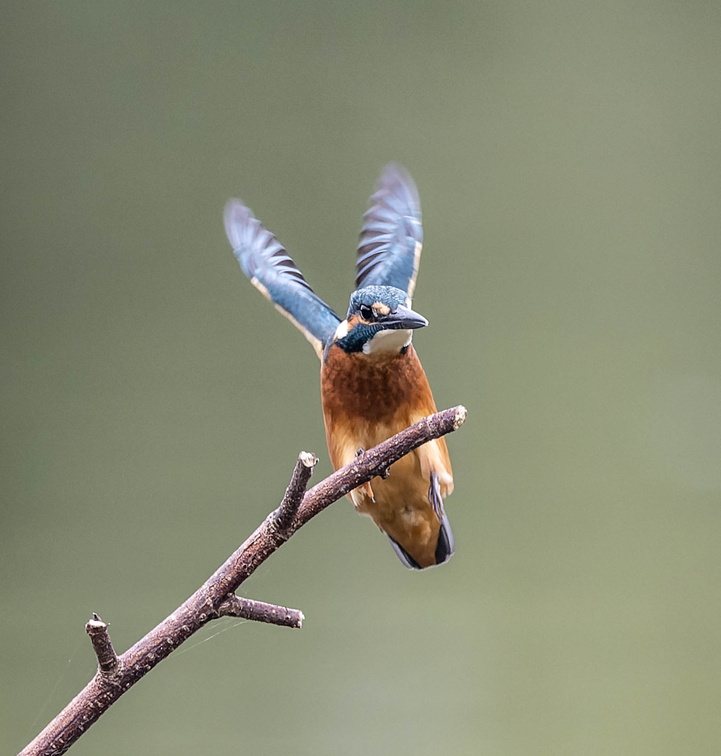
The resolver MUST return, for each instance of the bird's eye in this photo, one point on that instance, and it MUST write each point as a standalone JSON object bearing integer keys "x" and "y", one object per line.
{"x": 366, "y": 312}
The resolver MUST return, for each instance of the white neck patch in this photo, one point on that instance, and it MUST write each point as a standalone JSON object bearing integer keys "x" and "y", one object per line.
{"x": 342, "y": 331}
{"x": 388, "y": 341}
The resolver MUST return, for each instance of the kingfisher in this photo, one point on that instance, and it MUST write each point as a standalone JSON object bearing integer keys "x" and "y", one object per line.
{"x": 372, "y": 382}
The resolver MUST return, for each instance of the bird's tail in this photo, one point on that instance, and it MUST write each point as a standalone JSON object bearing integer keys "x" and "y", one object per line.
{"x": 444, "y": 547}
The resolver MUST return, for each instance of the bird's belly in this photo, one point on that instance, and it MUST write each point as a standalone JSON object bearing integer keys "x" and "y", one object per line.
{"x": 409, "y": 478}
{"x": 403, "y": 495}
{"x": 367, "y": 403}
{"x": 399, "y": 504}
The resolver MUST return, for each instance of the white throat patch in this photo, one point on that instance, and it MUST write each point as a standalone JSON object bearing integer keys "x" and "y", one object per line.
{"x": 342, "y": 331}
{"x": 388, "y": 341}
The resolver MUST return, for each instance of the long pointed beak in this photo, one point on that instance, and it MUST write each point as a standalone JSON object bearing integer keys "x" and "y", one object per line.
{"x": 404, "y": 317}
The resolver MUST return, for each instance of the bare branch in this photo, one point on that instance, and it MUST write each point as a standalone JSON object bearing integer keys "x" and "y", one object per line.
{"x": 108, "y": 661}
{"x": 212, "y": 599}
{"x": 235, "y": 606}
{"x": 285, "y": 513}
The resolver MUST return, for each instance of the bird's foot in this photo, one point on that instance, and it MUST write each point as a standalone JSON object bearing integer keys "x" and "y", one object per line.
{"x": 368, "y": 491}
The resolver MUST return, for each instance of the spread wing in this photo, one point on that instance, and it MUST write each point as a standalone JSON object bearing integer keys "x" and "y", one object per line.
{"x": 392, "y": 235}
{"x": 270, "y": 269}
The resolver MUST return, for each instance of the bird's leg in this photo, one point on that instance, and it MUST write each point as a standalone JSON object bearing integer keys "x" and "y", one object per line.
{"x": 385, "y": 472}
{"x": 368, "y": 491}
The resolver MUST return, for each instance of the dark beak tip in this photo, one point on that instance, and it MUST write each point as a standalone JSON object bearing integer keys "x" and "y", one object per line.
{"x": 410, "y": 318}
{"x": 418, "y": 321}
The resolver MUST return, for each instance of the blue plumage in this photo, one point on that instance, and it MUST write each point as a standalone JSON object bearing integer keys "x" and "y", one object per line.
{"x": 377, "y": 309}
{"x": 388, "y": 256}
{"x": 392, "y": 235}
{"x": 389, "y": 295}
{"x": 271, "y": 270}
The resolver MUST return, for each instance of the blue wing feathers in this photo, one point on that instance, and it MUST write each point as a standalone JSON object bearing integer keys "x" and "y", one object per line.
{"x": 392, "y": 233}
{"x": 269, "y": 267}
{"x": 388, "y": 254}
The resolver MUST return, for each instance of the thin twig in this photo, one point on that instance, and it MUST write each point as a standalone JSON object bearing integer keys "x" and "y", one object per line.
{"x": 283, "y": 516}
{"x": 108, "y": 661}
{"x": 236, "y": 606}
{"x": 204, "y": 605}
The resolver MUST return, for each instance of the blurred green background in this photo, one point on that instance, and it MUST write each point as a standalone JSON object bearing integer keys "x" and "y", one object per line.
{"x": 153, "y": 404}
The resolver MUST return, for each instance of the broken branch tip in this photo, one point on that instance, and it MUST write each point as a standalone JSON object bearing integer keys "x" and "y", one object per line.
{"x": 308, "y": 459}
{"x": 460, "y": 418}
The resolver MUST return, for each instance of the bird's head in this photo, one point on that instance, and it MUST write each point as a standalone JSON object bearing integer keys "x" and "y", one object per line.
{"x": 378, "y": 321}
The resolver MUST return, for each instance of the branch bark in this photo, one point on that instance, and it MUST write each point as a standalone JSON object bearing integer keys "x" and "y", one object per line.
{"x": 235, "y": 606}
{"x": 108, "y": 661}
{"x": 216, "y": 597}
